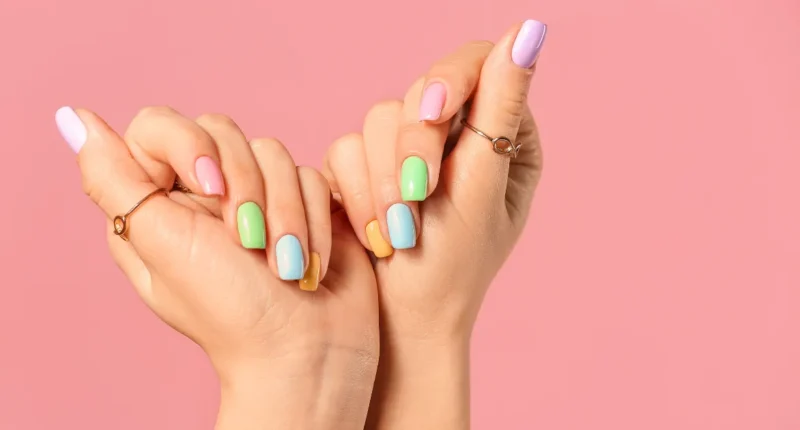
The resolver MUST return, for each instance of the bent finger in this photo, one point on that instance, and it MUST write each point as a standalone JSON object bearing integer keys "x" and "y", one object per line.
{"x": 316, "y": 197}
{"x": 166, "y": 144}
{"x": 428, "y": 107}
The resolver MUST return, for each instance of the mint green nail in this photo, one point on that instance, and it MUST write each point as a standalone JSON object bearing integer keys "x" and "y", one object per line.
{"x": 252, "y": 231}
{"x": 414, "y": 179}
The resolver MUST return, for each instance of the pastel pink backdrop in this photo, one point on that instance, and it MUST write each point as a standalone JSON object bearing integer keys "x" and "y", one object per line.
{"x": 655, "y": 288}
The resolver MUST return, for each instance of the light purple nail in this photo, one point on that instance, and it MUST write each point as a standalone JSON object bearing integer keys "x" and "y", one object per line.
{"x": 528, "y": 43}
{"x": 71, "y": 128}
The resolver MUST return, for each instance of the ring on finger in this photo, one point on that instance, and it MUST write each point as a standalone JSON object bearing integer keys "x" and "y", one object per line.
{"x": 121, "y": 221}
{"x": 501, "y": 144}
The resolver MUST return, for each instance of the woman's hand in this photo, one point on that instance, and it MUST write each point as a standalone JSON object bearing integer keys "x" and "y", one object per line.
{"x": 286, "y": 358}
{"x": 448, "y": 221}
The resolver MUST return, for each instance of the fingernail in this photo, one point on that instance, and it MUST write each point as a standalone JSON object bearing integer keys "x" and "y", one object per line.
{"x": 528, "y": 43}
{"x": 210, "y": 176}
{"x": 71, "y": 128}
{"x": 252, "y": 231}
{"x": 402, "y": 231}
{"x": 310, "y": 280}
{"x": 380, "y": 247}
{"x": 414, "y": 179}
{"x": 432, "y": 103}
{"x": 289, "y": 253}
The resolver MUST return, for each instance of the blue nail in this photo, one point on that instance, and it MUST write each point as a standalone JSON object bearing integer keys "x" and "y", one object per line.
{"x": 290, "y": 258}
{"x": 402, "y": 231}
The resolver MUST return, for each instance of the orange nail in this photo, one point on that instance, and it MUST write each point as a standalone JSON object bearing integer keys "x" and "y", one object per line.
{"x": 310, "y": 280}
{"x": 380, "y": 247}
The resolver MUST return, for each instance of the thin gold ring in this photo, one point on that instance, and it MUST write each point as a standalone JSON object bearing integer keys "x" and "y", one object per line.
{"x": 121, "y": 221}
{"x": 501, "y": 145}
{"x": 177, "y": 186}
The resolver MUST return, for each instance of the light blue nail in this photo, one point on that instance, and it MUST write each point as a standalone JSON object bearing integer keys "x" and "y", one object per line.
{"x": 290, "y": 258}
{"x": 402, "y": 231}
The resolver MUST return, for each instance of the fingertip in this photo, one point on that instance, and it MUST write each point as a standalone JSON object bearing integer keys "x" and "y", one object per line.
{"x": 432, "y": 102}
{"x": 71, "y": 128}
{"x": 528, "y": 43}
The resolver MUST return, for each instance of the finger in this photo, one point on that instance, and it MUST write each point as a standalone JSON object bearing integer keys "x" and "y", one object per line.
{"x": 346, "y": 167}
{"x": 397, "y": 220}
{"x": 245, "y": 184}
{"x": 427, "y": 108}
{"x": 116, "y": 183}
{"x": 166, "y": 143}
{"x": 497, "y": 111}
{"x": 287, "y": 241}
{"x": 316, "y": 196}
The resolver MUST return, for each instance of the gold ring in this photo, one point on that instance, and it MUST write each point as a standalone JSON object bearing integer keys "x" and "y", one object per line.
{"x": 121, "y": 221}
{"x": 177, "y": 186}
{"x": 501, "y": 145}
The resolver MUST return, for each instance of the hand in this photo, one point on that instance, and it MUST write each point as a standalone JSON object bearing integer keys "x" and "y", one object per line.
{"x": 286, "y": 358}
{"x": 468, "y": 209}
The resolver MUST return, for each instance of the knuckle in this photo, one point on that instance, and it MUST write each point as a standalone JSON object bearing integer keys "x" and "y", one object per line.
{"x": 511, "y": 108}
{"x": 267, "y": 145}
{"x": 150, "y": 112}
{"x": 343, "y": 149}
{"x": 217, "y": 120}
{"x": 387, "y": 109}
{"x": 311, "y": 176}
{"x": 271, "y": 151}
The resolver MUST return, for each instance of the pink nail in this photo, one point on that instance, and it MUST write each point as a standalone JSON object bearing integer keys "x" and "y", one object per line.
{"x": 210, "y": 176}
{"x": 430, "y": 108}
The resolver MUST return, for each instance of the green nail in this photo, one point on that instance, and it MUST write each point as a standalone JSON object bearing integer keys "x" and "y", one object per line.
{"x": 414, "y": 179}
{"x": 252, "y": 232}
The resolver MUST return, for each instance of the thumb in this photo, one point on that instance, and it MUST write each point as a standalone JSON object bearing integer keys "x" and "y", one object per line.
{"x": 117, "y": 184}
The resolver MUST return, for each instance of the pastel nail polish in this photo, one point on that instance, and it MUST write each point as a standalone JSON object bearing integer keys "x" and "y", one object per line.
{"x": 310, "y": 281}
{"x": 402, "y": 231}
{"x": 380, "y": 247}
{"x": 414, "y": 179}
{"x": 210, "y": 176}
{"x": 289, "y": 254}
{"x": 71, "y": 128}
{"x": 252, "y": 230}
{"x": 528, "y": 43}
{"x": 432, "y": 103}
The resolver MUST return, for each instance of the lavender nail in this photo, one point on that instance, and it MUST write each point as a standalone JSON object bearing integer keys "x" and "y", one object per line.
{"x": 71, "y": 128}
{"x": 528, "y": 43}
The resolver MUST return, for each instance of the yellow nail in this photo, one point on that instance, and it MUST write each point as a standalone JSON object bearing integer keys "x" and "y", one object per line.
{"x": 310, "y": 280}
{"x": 380, "y": 247}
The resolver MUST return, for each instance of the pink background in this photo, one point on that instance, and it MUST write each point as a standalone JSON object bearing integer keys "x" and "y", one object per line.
{"x": 661, "y": 266}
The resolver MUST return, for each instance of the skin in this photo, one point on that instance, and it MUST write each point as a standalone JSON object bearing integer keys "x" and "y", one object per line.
{"x": 287, "y": 361}
{"x": 283, "y": 361}
{"x": 475, "y": 211}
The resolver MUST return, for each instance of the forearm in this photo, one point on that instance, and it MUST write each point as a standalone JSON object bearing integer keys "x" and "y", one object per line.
{"x": 331, "y": 392}
{"x": 421, "y": 385}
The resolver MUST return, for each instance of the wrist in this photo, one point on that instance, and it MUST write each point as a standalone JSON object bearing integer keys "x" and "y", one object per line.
{"x": 322, "y": 390}
{"x": 422, "y": 384}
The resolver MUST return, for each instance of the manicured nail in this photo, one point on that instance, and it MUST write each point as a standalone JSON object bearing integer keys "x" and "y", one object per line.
{"x": 289, "y": 253}
{"x": 380, "y": 247}
{"x": 432, "y": 103}
{"x": 210, "y": 176}
{"x": 402, "y": 231}
{"x": 310, "y": 280}
{"x": 71, "y": 128}
{"x": 528, "y": 43}
{"x": 252, "y": 231}
{"x": 414, "y": 179}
